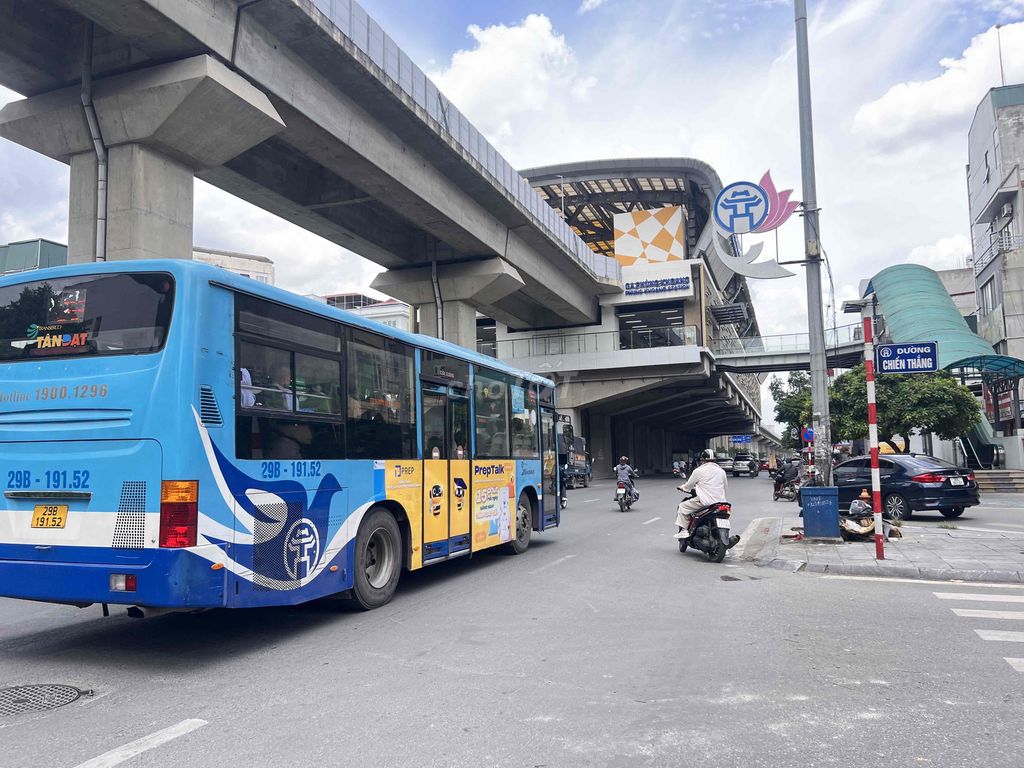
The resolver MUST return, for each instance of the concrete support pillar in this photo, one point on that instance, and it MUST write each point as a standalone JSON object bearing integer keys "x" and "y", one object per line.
{"x": 160, "y": 125}
{"x": 82, "y": 208}
{"x": 463, "y": 288}
{"x": 458, "y": 317}
{"x": 149, "y": 206}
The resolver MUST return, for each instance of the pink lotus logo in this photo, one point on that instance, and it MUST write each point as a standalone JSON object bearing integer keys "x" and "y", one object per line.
{"x": 780, "y": 208}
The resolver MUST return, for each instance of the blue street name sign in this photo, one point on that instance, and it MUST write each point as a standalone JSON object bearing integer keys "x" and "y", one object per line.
{"x": 912, "y": 357}
{"x": 742, "y": 438}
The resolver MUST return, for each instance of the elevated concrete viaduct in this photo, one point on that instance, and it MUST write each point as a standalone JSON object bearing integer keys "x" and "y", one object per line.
{"x": 310, "y": 111}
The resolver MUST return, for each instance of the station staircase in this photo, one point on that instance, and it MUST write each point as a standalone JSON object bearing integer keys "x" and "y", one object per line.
{"x": 1000, "y": 481}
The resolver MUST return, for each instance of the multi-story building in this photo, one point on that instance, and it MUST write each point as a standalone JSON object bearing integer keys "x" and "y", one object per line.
{"x": 390, "y": 312}
{"x": 31, "y": 254}
{"x": 259, "y": 268}
{"x": 995, "y": 157}
{"x": 996, "y": 199}
{"x": 38, "y": 254}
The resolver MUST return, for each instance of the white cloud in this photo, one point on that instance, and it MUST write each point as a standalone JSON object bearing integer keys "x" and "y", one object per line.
{"x": 515, "y": 74}
{"x": 944, "y": 253}
{"x": 303, "y": 262}
{"x": 925, "y": 110}
{"x": 589, "y": 5}
{"x": 1006, "y": 10}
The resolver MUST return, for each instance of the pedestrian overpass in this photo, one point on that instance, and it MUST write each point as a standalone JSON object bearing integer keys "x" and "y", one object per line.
{"x": 844, "y": 348}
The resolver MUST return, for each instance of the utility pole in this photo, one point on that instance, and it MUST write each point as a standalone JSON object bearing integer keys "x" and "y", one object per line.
{"x": 999, "y": 44}
{"x": 815, "y": 316}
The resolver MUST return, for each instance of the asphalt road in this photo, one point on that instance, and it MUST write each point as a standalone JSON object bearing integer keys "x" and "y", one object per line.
{"x": 601, "y": 646}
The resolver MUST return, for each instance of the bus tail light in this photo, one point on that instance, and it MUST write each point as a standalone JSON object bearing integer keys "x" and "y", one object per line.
{"x": 123, "y": 582}
{"x": 179, "y": 513}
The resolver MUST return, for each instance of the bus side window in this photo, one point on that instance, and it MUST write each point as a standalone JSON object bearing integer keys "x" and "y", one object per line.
{"x": 269, "y": 371}
{"x": 381, "y": 398}
{"x": 490, "y": 395}
{"x": 524, "y": 421}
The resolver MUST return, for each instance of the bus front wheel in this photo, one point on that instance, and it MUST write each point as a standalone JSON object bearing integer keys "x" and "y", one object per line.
{"x": 378, "y": 558}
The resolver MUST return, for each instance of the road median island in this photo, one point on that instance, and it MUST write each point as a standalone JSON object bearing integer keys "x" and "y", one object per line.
{"x": 923, "y": 553}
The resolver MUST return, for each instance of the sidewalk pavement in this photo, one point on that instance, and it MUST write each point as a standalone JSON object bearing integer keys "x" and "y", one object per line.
{"x": 923, "y": 553}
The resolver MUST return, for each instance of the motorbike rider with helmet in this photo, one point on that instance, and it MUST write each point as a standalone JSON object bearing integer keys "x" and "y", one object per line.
{"x": 709, "y": 482}
{"x": 786, "y": 475}
{"x": 624, "y": 473}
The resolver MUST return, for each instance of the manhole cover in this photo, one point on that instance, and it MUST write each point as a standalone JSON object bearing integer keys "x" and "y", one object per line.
{"x": 35, "y": 698}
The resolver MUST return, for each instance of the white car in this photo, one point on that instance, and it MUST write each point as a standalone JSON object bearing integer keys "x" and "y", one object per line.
{"x": 741, "y": 465}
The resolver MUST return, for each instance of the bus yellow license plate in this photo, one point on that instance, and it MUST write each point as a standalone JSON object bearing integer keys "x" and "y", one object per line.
{"x": 50, "y": 516}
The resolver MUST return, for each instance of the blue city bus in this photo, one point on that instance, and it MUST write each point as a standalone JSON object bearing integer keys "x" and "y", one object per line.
{"x": 173, "y": 436}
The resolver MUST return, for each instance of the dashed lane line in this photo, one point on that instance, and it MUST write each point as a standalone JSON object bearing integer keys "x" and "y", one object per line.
{"x": 137, "y": 747}
{"x": 648, "y": 522}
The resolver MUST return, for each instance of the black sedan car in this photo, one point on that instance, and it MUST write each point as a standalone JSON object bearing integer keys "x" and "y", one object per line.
{"x": 910, "y": 483}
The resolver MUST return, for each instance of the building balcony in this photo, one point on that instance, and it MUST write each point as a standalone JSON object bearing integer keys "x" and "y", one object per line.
{"x": 1001, "y": 243}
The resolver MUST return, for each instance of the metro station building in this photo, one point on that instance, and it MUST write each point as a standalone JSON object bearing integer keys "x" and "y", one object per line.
{"x": 643, "y": 382}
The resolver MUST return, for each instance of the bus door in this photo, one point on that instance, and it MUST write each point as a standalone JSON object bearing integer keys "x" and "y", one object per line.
{"x": 445, "y": 421}
{"x": 549, "y": 468}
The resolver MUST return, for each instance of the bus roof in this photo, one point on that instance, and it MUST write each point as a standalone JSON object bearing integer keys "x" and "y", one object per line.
{"x": 183, "y": 267}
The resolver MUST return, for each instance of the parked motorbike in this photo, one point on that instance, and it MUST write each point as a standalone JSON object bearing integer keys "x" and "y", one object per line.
{"x": 710, "y": 530}
{"x": 623, "y": 497}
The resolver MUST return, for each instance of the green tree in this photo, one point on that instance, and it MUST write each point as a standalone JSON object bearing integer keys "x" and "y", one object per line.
{"x": 933, "y": 403}
{"x": 792, "y": 404}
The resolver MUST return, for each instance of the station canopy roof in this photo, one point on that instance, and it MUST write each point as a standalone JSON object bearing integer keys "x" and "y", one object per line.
{"x": 593, "y": 192}
{"x": 917, "y": 307}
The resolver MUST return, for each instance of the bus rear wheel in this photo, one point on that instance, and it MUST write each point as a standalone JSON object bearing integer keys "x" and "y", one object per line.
{"x": 524, "y": 527}
{"x": 378, "y": 559}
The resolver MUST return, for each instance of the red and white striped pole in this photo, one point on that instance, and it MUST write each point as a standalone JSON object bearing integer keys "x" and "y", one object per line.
{"x": 876, "y": 481}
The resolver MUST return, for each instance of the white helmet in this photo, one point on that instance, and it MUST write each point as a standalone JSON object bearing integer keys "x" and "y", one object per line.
{"x": 707, "y": 455}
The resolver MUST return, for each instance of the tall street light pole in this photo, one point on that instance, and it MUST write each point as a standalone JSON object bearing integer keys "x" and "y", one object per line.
{"x": 815, "y": 316}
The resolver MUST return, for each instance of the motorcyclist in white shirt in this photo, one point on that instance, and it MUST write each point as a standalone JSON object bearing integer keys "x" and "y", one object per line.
{"x": 709, "y": 481}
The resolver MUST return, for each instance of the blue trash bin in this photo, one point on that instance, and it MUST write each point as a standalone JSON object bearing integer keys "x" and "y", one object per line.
{"x": 821, "y": 512}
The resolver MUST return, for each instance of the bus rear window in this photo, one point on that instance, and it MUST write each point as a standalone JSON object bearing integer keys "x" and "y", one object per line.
{"x": 117, "y": 314}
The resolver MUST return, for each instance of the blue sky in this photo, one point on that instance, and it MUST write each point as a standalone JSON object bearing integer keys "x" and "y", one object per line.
{"x": 895, "y": 85}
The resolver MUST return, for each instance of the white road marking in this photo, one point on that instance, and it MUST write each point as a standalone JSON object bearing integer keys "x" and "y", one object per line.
{"x": 1017, "y": 664}
{"x": 648, "y": 522}
{"x": 553, "y": 563}
{"x": 953, "y": 582}
{"x": 966, "y": 528}
{"x": 979, "y": 598}
{"x": 137, "y": 747}
{"x": 979, "y": 614}
{"x": 1000, "y": 635}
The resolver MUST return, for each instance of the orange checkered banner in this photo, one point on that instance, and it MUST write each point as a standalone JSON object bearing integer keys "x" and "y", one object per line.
{"x": 651, "y": 249}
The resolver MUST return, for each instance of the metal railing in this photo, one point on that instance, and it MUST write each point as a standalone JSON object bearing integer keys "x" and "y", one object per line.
{"x": 784, "y": 343}
{"x": 600, "y": 341}
{"x": 368, "y": 36}
{"x": 1001, "y": 243}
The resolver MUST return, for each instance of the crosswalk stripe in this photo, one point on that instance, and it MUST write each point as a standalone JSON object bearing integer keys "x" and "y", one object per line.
{"x": 1000, "y": 635}
{"x": 978, "y": 614}
{"x": 1017, "y": 664}
{"x": 979, "y": 598}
